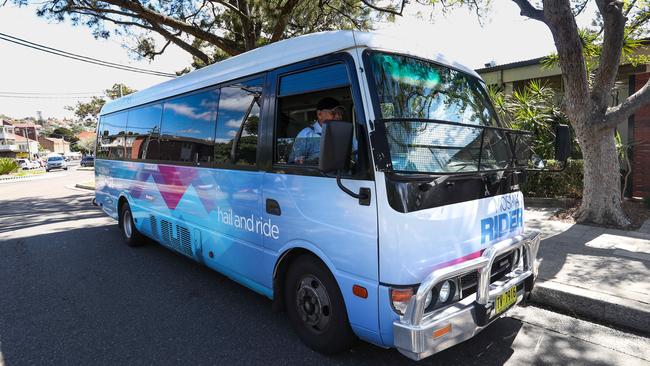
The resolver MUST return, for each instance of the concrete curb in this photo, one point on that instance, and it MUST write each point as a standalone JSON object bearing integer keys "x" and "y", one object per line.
{"x": 24, "y": 178}
{"x": 608, "y": 309}
{"x": 550, "y": 202}
{"x": 90, "y": 187}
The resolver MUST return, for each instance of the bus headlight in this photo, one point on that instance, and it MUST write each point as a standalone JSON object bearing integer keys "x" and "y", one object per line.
{"x": 427, "y": 300}
{"x": 445, "y": 291}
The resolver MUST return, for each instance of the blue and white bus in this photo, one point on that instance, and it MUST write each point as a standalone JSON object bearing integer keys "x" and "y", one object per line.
{"x": 363, "y": 183}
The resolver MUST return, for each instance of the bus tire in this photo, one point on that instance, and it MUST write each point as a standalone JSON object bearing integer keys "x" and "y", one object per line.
{"x": 316, "y": 308}
{"x": 132, "y": 236}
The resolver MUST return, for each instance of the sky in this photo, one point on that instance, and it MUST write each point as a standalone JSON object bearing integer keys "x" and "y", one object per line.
{"x": 504, "y": 37}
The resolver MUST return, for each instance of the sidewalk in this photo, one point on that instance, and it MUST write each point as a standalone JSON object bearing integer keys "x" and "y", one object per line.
{"x": 597, "y": 273}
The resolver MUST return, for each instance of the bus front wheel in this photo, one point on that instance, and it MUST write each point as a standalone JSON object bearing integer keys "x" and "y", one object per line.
{"x": 315, "y": 306}
{"x": 131, "y": 234}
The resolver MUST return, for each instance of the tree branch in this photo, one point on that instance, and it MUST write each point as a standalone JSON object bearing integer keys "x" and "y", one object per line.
{"x": 560, "y": 20}
{"x": 194, "y": 51}
{"x": 610, "y": 55}
{"x": 386, "y": 10}
{"x": 283, "y": 19}
{"x": 622, "y": 111}
{"x": 156, "y": 18}
{"x": 528, "y": 10}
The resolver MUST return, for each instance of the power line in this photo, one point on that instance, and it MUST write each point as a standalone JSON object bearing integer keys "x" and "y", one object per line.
{"x": 54, "y": 51}
{"x": 52, "y": 93}
{"x": 44, "y": 97}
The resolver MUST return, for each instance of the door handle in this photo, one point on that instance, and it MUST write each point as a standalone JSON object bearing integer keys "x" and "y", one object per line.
{"x": 273, "y": 207}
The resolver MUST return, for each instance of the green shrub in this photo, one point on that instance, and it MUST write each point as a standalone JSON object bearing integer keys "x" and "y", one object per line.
{"x": 8, "y": 165}
{"x": 567, "y": 183}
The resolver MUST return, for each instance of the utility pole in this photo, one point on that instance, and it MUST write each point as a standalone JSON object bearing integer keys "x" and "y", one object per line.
{"x": 29, "y": 149}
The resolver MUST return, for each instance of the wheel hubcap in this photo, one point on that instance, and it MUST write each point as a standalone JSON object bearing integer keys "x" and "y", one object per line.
{"x": 313, "y": 303}
{"x": 128, "y": 229}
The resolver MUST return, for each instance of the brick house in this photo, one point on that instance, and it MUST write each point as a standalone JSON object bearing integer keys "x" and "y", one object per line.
{"x": 636, "y": 131}
{"x": 28, "y": 130}
{"x": 55, "y": 145}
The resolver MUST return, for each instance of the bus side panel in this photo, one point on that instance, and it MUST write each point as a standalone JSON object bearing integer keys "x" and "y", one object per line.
{"x": 106, "y": 193}
{"x": 211, "y": 215}
{"x": 323, "y": 219}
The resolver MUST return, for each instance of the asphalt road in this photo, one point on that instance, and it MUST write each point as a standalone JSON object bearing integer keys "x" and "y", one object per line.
{"x": 72, "y": 293}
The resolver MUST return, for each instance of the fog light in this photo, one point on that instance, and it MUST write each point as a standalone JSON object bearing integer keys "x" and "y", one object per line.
{"x": 445, "y": 292}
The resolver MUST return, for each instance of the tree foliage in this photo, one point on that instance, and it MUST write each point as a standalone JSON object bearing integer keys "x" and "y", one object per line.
{"x": 90, "y": 110}
{"x": 86, "y": 145}
{"x": 211, "y": 30}
{"x": 534, "y": 108}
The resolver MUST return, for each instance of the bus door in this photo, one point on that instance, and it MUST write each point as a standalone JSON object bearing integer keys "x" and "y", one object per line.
{"x": 303, "y": 207}
{"x": 237, "y": 246}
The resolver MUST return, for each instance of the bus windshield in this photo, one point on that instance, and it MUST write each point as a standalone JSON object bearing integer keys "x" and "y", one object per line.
{"x": 439, "y": 120}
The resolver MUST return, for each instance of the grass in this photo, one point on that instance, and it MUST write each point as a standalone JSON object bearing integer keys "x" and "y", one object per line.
{"x": 25, "y": 173}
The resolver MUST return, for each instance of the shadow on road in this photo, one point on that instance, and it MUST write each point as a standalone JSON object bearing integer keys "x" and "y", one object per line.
{"x": 83, "y": 297}
{"x": 35, "y": 211}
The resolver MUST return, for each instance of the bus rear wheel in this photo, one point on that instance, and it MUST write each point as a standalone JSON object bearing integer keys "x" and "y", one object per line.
{"x": 315, "y": 307}
{"x": 131, "y": 234}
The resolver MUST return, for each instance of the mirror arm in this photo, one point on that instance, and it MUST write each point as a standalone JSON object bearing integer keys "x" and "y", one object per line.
{"x": 345, "y": 189}
{"x": 364, "y": 193}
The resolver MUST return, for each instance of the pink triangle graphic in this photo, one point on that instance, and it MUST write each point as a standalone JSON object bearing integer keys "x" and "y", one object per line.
{"x": 175, "y": 181}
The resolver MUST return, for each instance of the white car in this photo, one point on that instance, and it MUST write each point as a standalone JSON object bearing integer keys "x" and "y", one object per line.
{"x": 24, "y": 163}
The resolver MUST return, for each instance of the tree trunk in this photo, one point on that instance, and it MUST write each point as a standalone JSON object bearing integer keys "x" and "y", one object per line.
{"x": 601, "y": 197}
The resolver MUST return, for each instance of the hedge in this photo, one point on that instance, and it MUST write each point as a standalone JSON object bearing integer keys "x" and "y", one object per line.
{"x": 8, "y": 165}
{"x": 567, "y": 183}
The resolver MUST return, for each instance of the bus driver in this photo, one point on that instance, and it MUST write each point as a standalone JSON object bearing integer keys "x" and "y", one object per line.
{"x": 306, "y": 148}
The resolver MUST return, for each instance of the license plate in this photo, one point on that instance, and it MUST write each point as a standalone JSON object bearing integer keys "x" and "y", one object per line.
{"x": 506, "y": 300}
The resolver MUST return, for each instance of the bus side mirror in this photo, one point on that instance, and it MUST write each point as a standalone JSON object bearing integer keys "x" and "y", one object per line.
{"x": 562, "y": 143}
{"x": 335, "y": 146}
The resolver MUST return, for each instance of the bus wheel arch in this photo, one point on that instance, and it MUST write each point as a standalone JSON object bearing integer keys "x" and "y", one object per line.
{"x": 280, "y": 273}
{"x": 329, "y": 331}
{"x": 129, "y": 231}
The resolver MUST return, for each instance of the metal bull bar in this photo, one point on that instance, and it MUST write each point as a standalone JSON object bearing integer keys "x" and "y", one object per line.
{"x": 414, "y": 332}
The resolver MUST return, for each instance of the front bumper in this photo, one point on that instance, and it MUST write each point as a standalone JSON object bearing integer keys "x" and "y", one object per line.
{"x": 415, "y": 333}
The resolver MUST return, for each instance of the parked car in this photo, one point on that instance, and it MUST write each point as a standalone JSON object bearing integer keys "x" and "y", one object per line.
{"x": 35, "y": 164}
{"x": 24, "y": 163}
{"x": 56, "y": 162}
{"x": 88, "y": 161}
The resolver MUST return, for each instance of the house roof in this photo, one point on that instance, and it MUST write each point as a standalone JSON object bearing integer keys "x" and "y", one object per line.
{"x": 532, "y": 61}
{"x": 280, "y": 54}
{"x": 85, "y": 134}
{"x": 53, "y": 139}
{"x": 511, "y": 65}
{"x": 19, "y": 138}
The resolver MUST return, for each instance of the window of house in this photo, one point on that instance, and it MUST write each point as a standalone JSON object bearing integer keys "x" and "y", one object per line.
{"x": 143, "y": 132}
{"x": 187, "y": 129}
{"x": 238, "y": 123}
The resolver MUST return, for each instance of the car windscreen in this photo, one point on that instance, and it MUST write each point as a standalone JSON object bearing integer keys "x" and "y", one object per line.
{"x": 435, "y": 119}
{"x": 54, "y": 158}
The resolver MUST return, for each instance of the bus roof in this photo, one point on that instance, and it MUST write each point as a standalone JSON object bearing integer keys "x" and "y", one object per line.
{"x": 276, "y": 55}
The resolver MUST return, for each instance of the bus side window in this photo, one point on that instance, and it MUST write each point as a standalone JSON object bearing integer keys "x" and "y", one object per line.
{"x": 143, "y": 132}
{"x": 188, "y": 125}
{"x": 238, "y": 123}
{"x": 297, "y": 131}
{"x": 111, "y": 136}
